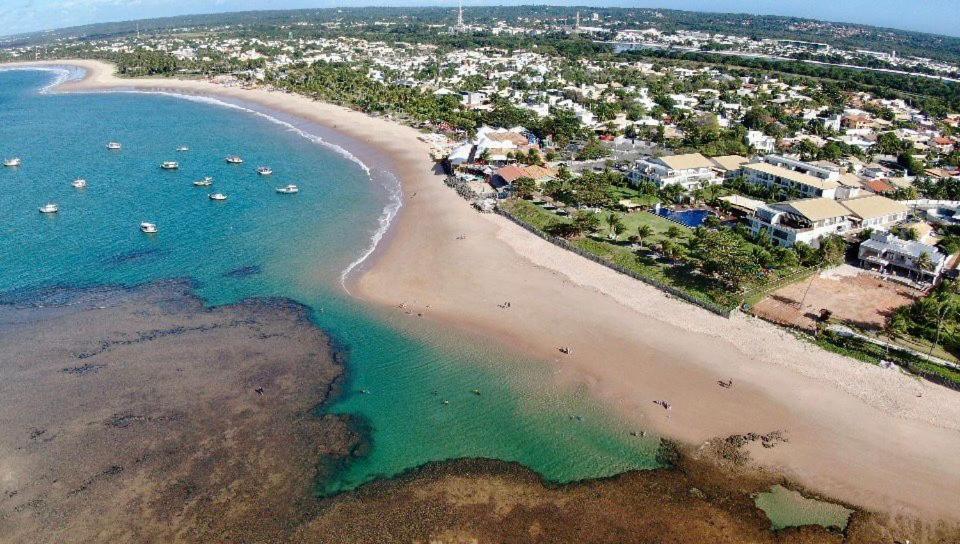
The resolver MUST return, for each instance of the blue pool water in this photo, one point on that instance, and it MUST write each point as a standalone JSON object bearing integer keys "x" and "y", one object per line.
{"x": 690, "y": 218}
{"x": 260, "y": 243}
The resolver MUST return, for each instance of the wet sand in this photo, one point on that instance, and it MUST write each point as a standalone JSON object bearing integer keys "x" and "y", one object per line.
{"x": 135, "y": 416}
{"x": 867, "y": 436}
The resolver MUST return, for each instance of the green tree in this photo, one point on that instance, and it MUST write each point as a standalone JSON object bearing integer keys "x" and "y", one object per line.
{"x": 585, "y": 222}
{"x": 722, "y": 255}
{"x": 643, "y": 232}
{"x": 524, "y": 187}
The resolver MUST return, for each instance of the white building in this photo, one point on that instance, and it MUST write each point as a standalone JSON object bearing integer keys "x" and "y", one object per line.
{"x": 777, "y": 177}
{"x": 875, "y": 212}
{"x": 807, "y": 220}
{"x": 890, "y": 254}
{"x": 761, "y": 142}
{"x": 690, "y": 171}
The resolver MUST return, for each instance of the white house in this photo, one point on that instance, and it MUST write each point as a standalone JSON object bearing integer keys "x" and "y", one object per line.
{"x": 690, "y": 171}
{"x": 890, "y": 254}
{"x": 761, "y": 142}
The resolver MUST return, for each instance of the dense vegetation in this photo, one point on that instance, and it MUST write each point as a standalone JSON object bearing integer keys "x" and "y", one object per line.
{"x": 932, "y": 95}
{"x": 308, "y": 20}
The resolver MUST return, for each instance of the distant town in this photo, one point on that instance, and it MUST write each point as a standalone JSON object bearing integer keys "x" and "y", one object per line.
{"x": 734, "y": 171}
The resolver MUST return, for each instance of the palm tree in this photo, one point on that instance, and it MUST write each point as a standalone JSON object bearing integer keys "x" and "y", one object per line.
{"x": 614, "y": 221}
{"x": 924, "y": 262}
{"x": 946, "y": 307}
{"x": 618, "y": 229}
{"x": 644, "y": 232}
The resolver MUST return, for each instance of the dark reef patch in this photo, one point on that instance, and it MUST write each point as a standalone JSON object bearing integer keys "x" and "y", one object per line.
{"x": 243, "y": 272}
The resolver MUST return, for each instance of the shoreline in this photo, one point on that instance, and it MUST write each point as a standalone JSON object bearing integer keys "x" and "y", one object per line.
{"x": 630, "y": 343}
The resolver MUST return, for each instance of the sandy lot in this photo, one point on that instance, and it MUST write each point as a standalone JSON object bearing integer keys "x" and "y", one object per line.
{"x": 854, "y": 296}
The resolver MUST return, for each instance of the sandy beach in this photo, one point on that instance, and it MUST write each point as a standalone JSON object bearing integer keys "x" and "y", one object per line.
{"x": 868, "y": 436}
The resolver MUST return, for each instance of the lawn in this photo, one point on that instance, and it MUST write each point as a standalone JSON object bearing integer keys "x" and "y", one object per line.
{"x": 622, "y": 254}
{"x": 657, "y": 224}
{"x": 625, "y": 192}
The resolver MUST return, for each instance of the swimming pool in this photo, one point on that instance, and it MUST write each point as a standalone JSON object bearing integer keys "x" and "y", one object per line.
{"x": 690, "y": 218}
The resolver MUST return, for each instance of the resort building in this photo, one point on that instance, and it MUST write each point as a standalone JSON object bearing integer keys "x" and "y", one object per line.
{"x": 690, "y": 171}
{"x": 890, "y": 254}
{"x": 806, "y": 220}
{"x": 729, "y": 166}
{"x": 875, "y": 211}
{"x": 828, "y": 172}
{"x": 778, "y": 177}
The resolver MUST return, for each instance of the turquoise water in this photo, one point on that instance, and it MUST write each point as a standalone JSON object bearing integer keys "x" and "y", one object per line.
{"x": 289, "y": 245}
{"x": 788, "y": 508}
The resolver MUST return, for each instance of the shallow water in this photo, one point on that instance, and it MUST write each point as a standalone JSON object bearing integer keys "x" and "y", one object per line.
{"x": 787, "y": 508}
{"x": 259, "y": 243}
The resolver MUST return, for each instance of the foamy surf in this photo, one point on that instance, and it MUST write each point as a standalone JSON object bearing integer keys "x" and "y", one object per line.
{"x": 386, "y": 218}
{"x": 63, "y": 74}
{"x": 390, "y": 182}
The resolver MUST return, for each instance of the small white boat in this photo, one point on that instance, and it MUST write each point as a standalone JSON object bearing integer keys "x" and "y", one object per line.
{"x": 114, "y": 145}
{"x": 234, "y": 159}
{"x": 15, "y": 161}
{"x": 149, "y": 228}
{"x": 183, "y": 148}
{"x": 288, "y": 190}
{"x": 49, "y": 208}
{"x": 205, "y": 182}
{"x": 79, "y": 183}
{"x": 264, "y": 170}
{"x": 170, "y": 165}
{"x": 218, "y": 196}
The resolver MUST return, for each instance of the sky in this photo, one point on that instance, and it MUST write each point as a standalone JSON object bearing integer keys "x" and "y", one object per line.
{"x": 936, "y": 16}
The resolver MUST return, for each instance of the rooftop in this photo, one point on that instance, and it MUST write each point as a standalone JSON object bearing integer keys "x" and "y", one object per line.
{"x": 686, "y": 162}
{"x": 815, "y": 209}
{"x": 792, "y": 175}
{"x": 873, "y": 206}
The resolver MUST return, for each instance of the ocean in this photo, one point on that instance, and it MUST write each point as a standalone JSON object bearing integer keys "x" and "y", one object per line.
{"x": 423, "y": 396}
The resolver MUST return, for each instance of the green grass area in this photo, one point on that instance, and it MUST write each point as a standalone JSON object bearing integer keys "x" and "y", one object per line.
{"x": 618, "y": 193}
{"x": 622, "y": 254}
{"x": 657, "y": 224}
